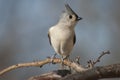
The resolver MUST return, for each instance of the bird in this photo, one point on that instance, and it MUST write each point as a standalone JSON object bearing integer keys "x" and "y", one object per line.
{"x": 62, "y": 35}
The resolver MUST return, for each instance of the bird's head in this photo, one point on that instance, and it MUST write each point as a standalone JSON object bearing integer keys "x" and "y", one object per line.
{"x": 69, "y": 17}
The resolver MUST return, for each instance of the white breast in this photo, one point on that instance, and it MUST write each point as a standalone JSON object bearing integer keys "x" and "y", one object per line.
{"x": 61, "y": 40}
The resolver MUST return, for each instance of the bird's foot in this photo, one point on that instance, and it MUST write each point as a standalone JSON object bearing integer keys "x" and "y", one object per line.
{"x": 53, "y": 58}
{"x": 62, "y": 61}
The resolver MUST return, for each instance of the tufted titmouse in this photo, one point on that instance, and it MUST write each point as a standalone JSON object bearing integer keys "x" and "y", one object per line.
{"x": 62, "y": 35}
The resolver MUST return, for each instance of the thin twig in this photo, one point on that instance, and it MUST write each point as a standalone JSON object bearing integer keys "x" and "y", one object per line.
{"x": 77, "y": 60}
{"x": 91, "y": 63}
{"x": 98, "y": 59}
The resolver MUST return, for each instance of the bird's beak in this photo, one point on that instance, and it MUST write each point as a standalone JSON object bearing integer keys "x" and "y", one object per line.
{"x": 79, "y": 18}
{"x": 70, "y": 11}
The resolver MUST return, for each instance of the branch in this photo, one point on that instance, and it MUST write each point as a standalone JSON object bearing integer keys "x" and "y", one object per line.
{"x": 54, "y": 75}
{"x": 110, "y": 71}
{"x": 73, "y": 65}
{"x": 91, "y": 63}
{"x": 89, "y": 73}
{"x": 98, "y": 59}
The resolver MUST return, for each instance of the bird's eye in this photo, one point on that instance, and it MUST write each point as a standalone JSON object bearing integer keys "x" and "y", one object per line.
{"x": 70, "y": 16}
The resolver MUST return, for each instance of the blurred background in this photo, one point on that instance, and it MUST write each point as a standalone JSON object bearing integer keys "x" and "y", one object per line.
{"x": 24, "y": 25}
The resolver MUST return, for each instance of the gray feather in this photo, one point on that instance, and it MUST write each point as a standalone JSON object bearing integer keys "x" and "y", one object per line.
{"x": 49, "y": 38}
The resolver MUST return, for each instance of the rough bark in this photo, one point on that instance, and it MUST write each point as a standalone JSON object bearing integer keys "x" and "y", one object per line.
{"x": 100, "y": 72}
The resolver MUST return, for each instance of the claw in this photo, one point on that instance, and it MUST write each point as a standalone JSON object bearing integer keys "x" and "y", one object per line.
{"x": 53, "y": 58}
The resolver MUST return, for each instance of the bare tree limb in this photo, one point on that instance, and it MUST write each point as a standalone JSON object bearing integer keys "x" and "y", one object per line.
{"x": 82, "y": 73}
{"x": 110, "y": 71}
{"x": 91, "y": 63}
{"x": 54, "y": 75}
{"x": 73, "y": 65}
{"x": 98, "y": 59}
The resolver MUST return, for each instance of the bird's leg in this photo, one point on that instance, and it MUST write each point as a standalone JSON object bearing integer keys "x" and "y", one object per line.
{"x": 62, "y": 60}
{"x": 53, "y": 58}
{"x": 62, "y": 63}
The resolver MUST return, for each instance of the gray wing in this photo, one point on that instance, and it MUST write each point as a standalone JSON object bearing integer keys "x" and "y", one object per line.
{"x": 49, "y": 38}
{"x": 74, "y": 39}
